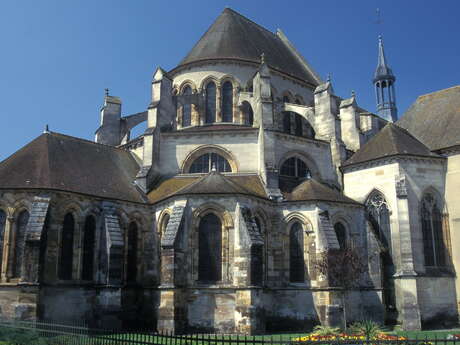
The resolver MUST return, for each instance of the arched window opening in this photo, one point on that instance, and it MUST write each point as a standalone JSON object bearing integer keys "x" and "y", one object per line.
{"x": 206, "y": 162}
{"x": 89, "y": 247}
{"x": 432, "y": 230}
{"x": 2, "y": 233}
{"x": 131, "y": 260}
{"x": 379, "y": 216}
{"x": 164, "y": 224}
{"x": 295, "y": 167}
{"x": 210, "y": 249}
{"x": 248, "y": 115}
{"x": 341, "y": 234}
{"x": 298, "y": 125}
{"x": 286, "y": 121}
{"x": 257, "y": 265}
{"x": 296, "y": 254}
{"x": 227, "y": 102}
{"x": 67, "y": 238}
{"x": 187, "y": 108}
{"x": 259, "y": 225}
{"x": 210, "y": 103}
{"x": 21, "y": 226}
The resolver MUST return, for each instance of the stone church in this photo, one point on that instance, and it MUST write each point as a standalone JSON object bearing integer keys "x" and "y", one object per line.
{"x": 214, "y": 218}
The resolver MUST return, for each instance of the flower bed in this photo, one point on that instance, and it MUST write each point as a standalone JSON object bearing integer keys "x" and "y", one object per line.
{"x": 345, "y": 337}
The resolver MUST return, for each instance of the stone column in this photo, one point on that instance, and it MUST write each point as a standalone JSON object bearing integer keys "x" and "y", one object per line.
{"x": 406, "y": 277}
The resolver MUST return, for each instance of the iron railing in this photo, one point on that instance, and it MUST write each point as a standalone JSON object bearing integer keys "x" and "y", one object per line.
{"x": 49, "y": 333}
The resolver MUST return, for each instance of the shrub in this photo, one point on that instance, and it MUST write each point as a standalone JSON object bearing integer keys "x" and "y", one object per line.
{"x": 368, "y": 328}
{"x": 326, "y": 330}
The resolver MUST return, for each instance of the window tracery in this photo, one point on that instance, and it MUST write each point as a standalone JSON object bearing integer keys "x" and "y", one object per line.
{"x": 379, "y": 216}
{"x": 206, "y": 162}
{"x": 432, "y": 230}
{"x": 295, "y": 167}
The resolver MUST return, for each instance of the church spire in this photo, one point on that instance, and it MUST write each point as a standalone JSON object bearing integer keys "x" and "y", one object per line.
{"x": 384, "y": 87}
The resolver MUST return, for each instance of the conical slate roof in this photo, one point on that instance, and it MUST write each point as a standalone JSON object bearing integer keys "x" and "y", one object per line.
{"x": 232, "y": 36}
{"x": 434, "y": 119}
{"x": 312, "y": 190}
{"x": 383, "y": 71}
{"x": 59, "y": 162}
{"x": 392, "y": 140}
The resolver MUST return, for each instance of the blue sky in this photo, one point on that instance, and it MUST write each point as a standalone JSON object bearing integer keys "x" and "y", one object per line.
{"x": 57, "y": 56}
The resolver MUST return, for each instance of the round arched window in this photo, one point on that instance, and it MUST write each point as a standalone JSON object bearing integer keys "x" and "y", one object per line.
{"x": 295, "y": 167}
{"x": 206, "y": 162}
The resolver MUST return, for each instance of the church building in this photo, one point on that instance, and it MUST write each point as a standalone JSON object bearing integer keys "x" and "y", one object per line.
{"x": 215, "y": 218}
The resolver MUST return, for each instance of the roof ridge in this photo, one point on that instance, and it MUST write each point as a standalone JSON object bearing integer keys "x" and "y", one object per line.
{"x": 83, "y": 140}
{"x": 439, "y": 91}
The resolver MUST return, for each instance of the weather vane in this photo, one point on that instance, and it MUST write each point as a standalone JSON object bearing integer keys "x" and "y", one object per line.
{"x": 379, "y": 19}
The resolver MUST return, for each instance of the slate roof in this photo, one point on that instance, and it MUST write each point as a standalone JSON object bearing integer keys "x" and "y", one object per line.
{"x": 212, "y": 183}
{"x": 434, "y": 119}
{"x": 60, "y": 162}
{"x": 312, "y": 190}
{"x": 392, "y": 140}
{"x": 233, "y": 36}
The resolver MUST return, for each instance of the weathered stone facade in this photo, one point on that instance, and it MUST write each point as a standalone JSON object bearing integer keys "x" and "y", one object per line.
{"x": 215, "y": 218}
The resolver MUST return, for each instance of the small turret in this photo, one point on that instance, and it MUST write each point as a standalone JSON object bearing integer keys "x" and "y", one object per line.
{"x": 384, "y": 87}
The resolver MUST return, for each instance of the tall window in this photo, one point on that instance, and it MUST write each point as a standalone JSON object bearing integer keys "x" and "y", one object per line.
{"x": 206, "y": 162}
{"x": 210, "y": 103}
{"x": 66, "y": 258}
{"x": 131, "y": 260}
{"x": 89, "y": 236}
{"x": 341, "y": 234}
{"x": 248, "y": 115}
{"x": 298, "y": 125}
{"x": 296, "y": 254}
{"x": 379, "y": 216}
{"x": 257, "y": 264}
{"x": 21, "y": 226}
{"x": 286, "y": 121}
{"x": 433, "y": 241}
{"x": 295, "y": 167}
{"x": 2, "y": 233}
{"x": 210, "y": 249}
{"x": 187, "y": 108}
{"x": 227, "y": 102}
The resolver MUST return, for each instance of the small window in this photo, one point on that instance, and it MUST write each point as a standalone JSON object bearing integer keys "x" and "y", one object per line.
{"x": 131, "y": 260}
{"x": 206, "y": 162}
{"x": 295, "y": 167}
{"x": 227, "y": 102}
{"x": 210, "y": 249}
{"x": 296, "y": 254}
{"x": 67, "y": 238}
{"x": 298, "y": 125}
{"x": 210, "y": 103}
{"x": 286, "y": 121}
{"x": 257, "y": 265}
{"x": 341, "y": 235}
{"x": 21, "y": 226}
{"x": 187, "y": 108}
{"x": 89, "y": 244}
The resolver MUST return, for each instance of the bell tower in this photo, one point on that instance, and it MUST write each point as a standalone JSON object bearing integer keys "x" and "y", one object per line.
{"x": 384, "y": 81}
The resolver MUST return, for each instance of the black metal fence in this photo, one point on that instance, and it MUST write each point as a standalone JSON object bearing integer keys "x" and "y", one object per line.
{"x": 47, "y": 333}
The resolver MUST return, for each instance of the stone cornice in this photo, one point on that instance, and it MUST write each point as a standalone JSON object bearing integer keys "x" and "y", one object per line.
{"x": 390, "y": 160}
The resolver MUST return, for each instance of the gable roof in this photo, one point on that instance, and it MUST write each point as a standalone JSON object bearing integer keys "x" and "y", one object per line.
{"x": 390, "y": 141}
{"x": 60, "y": 162}
{"x": 312, "y": 190}
{"x": 434, "y": 118}
{"x": 233, "y": 36}
{"x": 211, "y": 183}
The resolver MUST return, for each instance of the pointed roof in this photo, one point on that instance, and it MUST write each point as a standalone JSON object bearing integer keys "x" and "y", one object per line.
{"x": 312, "y": 190}
{"x": 233, "y": 36}
{"x": 392, "y": 140}
{"x": 434, "y": 118}
{"x": 211, "y": 183}
{"x": 59, "y": 162}
{"x": 383, "y": 71}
